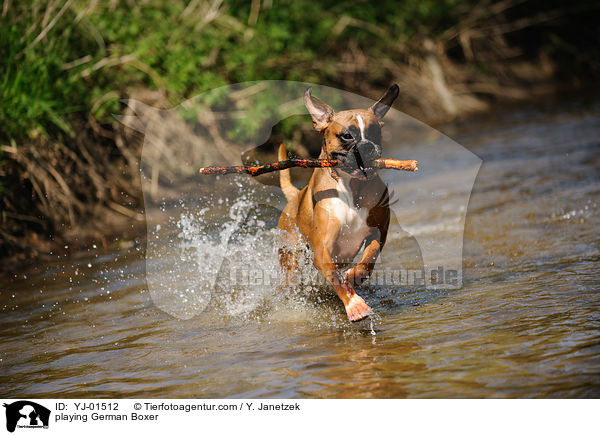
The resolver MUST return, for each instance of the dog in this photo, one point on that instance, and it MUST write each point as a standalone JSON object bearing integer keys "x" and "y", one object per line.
{"x": 340, "y": 211}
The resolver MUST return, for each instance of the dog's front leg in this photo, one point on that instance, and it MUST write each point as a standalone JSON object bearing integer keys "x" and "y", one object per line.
{"x": 379, "y": 219}
{"x": 356, "y": 307}
{"x": 323, "y": 236}
{"x": 363, "y": 269}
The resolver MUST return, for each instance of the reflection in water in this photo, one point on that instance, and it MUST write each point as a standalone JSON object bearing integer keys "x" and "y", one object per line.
{"x": 378, "y": 368}
{"x": 525, "y": 324}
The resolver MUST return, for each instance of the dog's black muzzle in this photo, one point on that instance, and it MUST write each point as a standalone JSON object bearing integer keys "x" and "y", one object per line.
{"x": 368, "y": 151}
{"x": 359, "y": 159}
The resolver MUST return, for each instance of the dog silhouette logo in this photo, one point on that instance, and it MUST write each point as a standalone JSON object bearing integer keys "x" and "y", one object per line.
{"x": 26, "y": 414}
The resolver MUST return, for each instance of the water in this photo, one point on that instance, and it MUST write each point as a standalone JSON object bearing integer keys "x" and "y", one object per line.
{"x": 526, "y": 323}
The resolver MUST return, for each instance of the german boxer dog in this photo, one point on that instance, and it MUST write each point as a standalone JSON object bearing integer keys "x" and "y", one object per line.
{"x": 340, "y": 211}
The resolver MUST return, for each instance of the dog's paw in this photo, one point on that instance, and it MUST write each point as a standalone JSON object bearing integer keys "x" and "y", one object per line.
{"x": 357, "y": 309}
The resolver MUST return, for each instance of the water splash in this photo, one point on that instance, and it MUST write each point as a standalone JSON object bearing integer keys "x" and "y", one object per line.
{"x": 223, "y": 258}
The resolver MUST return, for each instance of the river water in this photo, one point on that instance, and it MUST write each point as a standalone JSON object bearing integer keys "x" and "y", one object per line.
{"x": 525, "y": 323}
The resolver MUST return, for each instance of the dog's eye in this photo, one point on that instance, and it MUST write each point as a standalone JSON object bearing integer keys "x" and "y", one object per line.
{"x": 347, "y": 136}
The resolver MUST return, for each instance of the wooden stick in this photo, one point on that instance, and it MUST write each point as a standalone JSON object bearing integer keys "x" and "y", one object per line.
{"x": 399, "y": 165}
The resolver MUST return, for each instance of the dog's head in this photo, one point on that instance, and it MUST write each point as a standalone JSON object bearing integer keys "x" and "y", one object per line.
{"x": 352, "y": 136}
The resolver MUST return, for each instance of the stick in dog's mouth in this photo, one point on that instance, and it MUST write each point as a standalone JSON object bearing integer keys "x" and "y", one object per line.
{"x": 399, "y": 165}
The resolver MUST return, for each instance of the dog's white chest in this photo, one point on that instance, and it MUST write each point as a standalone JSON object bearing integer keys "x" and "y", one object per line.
{"x": 353, "y": 220}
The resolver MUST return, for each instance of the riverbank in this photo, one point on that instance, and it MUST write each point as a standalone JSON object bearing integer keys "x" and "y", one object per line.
{"x": 70, "y": 171}
{"x": 117, "y": 227}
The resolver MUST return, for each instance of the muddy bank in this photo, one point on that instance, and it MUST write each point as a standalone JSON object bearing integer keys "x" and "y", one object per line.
{"x": 115, "y": 219}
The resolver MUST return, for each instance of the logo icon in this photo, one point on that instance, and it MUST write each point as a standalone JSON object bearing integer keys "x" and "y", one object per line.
{"x": 26, "y": 414}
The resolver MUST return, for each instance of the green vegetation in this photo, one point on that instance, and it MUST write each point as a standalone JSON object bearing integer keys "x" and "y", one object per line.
{"x": 65, "y": 64}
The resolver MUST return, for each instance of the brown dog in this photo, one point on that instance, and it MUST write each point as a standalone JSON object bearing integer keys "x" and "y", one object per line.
{"x": 341, "y": 211}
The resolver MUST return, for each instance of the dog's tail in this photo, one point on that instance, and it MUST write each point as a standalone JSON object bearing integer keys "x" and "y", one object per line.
{"x": 285, "y": 180}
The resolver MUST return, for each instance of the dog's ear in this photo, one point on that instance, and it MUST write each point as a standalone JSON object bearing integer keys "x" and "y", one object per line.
{"x": 320, "y": 112}
{"x": 381, "y": 107}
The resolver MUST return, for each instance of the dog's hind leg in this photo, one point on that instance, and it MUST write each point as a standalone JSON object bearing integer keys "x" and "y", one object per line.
{"x": 290, "y": 250}
{"x": 288, "y": 260}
